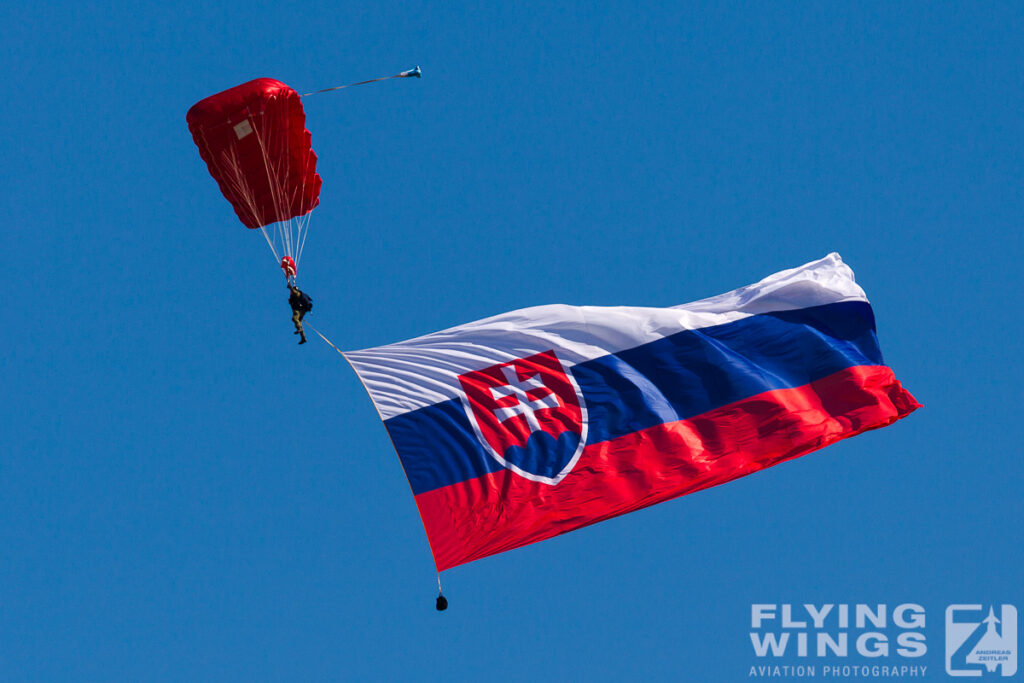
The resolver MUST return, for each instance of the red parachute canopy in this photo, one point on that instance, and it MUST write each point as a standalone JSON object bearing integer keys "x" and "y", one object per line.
{"x": 253, "y": 139}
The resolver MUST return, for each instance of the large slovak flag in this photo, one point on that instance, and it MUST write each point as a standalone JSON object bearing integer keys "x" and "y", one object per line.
{"x": 519, "y": 427}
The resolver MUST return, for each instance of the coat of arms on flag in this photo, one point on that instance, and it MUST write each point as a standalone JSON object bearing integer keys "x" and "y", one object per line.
{"x": 528, "y": 414}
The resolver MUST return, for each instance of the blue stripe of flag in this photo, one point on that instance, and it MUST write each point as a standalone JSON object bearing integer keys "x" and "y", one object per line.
{"x": 671, "y": 379}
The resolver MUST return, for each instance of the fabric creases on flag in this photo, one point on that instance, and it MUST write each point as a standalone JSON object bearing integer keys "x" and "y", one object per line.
{"x": 532, "y": 423}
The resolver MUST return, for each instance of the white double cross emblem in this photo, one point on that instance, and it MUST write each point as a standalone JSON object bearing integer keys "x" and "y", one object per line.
{"x": 525, "y": 406}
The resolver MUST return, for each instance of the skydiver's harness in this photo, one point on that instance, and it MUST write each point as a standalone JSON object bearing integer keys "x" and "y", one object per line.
{"x": 300, "y": 302}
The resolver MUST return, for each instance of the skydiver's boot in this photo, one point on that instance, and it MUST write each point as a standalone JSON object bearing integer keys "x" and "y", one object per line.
{"x": 303, "y": 339}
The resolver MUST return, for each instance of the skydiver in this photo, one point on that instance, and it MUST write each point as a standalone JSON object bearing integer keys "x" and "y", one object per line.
{"x": 301, "y": 304}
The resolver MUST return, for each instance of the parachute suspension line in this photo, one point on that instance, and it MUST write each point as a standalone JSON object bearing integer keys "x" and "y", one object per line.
{"x": 280, "y": 151}
{"x": 303, "y": 220}
{"x": 411, "y": 73}
{"x": 230, "y": 167}
{"x": 273, "y": 251}
{"x": 303, "y": 231}
{"x": 282, "y": 229}
{"x": 288, "y": 226}
{"x": 236, "y": 179}
{"x": 302, "y": 226}
{"x": 295, "y": 229}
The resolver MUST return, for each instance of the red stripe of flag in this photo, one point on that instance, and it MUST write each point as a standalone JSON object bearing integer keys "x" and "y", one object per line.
{"x": 502, "y": 510}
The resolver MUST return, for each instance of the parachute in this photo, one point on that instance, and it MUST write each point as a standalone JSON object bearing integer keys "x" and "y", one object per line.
{"x": 254, "y": 141}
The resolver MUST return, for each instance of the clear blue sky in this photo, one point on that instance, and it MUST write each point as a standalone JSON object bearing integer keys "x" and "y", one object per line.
{"x": 185, "y": 494}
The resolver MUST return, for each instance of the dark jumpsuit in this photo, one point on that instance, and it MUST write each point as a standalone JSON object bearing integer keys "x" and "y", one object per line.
{"x": 299, "y": 309}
